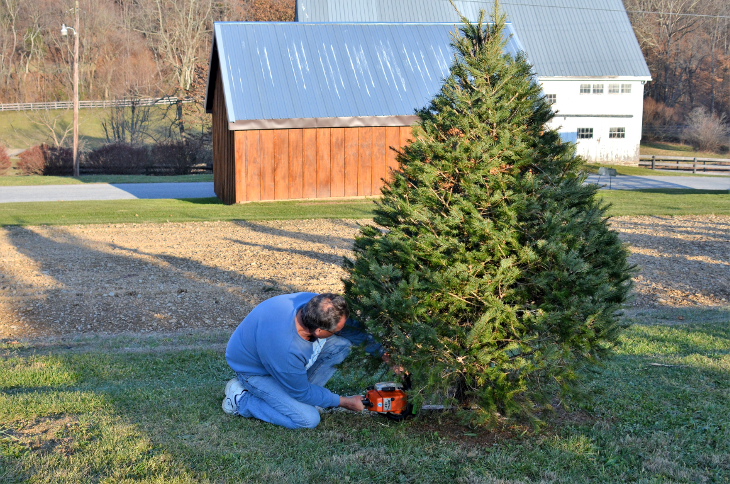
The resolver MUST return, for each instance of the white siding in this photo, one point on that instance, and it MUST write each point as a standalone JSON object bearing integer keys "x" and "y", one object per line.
{"x": 600, "y": 112}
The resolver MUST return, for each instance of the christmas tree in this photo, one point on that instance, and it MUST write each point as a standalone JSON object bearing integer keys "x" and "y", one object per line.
{"x": 493, "y": 276}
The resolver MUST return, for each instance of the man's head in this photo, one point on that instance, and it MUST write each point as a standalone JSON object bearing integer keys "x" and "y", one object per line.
{"x": 326, "y": 313}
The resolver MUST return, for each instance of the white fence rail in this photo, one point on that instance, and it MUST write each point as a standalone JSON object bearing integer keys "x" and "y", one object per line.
{"x": 92, "y": 104}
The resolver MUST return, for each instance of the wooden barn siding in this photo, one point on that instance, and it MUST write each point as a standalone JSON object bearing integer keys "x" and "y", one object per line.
{"x": 307, "y": 163}
{"x": 224, "y": 150}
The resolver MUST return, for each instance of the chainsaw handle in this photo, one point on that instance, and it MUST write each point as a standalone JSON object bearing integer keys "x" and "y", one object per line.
{"x": 366, "y": 402}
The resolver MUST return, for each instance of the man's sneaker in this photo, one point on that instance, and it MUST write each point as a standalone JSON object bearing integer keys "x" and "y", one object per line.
{"x": 234, "y": 390}
{"x": 234, "y": 385}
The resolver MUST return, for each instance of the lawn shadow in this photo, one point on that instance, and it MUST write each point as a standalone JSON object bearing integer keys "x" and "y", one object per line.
{"x": 162, "y": 190}
{"x": 165, "y": 405}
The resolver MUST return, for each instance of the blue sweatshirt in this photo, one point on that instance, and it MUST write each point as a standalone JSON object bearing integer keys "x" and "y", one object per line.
{"x": 267, "y": 343}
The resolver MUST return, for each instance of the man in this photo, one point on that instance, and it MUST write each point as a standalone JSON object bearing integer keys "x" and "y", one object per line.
{"x": 284, "y": 352}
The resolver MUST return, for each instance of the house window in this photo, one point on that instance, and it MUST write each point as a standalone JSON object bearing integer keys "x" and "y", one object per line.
{"x": 597, "y": 88}
{"x": 551, "y": 98}
{"x": 585, "y": 88}
{"x": 614, "y": 88}
{"x": 625, "y": 88}
{"x": 585, "y": 133}
{"x": 617, "y": 133}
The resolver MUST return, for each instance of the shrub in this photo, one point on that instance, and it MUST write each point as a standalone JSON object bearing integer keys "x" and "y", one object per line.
{"x": 45, "y": 160}
{"x": 661, "y": 121}
{"x": 32, "y": 161}
{"x": 117, "y": 159}
{"x": 58, "y": 161}
{"x": 493, "y": 276}
{"x": 174, "y": 157}
{"x": 4, "y": 160}
{"x": 705, "y": 131}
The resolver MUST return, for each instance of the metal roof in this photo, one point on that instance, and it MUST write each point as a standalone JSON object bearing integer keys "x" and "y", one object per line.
{"x": 562, "y": 38}
{"x": 275, "y": 74}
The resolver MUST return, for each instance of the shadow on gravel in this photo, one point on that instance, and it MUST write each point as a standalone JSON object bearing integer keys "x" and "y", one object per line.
{"x": 337, "y": 242}
{"x": 73, "y": 286}
{"x": 684, "y": 261}
{"x": 674, "y": 226}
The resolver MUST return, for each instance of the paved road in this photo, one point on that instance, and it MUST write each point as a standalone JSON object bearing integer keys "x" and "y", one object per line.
{"x": 638, "y": 182}
{"x": 101, "y": 191}
{"x": 129, "y": 191}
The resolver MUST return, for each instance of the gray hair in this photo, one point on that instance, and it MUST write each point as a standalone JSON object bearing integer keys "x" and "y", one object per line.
{"x": 324, "y": 311}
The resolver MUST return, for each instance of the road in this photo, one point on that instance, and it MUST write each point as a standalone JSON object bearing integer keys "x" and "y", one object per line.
{"x": 625, "y": 182}
{"x": 102, "y": 191}
{"x": 130, "y": 191}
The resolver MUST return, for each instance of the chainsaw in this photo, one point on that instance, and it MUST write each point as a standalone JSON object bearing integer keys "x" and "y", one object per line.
{"x": 388, "y": 399}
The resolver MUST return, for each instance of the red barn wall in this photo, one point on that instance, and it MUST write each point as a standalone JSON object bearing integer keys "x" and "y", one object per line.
{"x": 224, "y": 175}
{"x": 284, "y": 164}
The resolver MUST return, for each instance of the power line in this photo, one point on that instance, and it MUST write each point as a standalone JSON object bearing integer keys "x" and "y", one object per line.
{"x": 603, "y": 9}
{"x": 680, "y": 14}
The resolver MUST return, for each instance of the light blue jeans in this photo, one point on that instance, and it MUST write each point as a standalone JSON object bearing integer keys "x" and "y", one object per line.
{"x": 266, "y": 399}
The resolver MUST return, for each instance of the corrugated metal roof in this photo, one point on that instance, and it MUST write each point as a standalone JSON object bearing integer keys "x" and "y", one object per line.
{"x": 280, "y": 71}
{"x": 562, "y": 38}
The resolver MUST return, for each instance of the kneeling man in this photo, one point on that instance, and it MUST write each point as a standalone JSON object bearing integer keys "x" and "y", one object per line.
{"x": 284, "y": 352}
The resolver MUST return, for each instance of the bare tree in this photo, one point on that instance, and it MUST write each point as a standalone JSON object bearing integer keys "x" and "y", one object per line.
{"x": 687, "y": 47}
{"x": 661, "y": 34}
{"x": 9, "y": 37}
{"x": 128, "y": 124}
{"x": 180, "y": 30}
{"x": 719, "y": 37}
{"x": 50, "y": 124}
{"x": 269, "y": 10}
{"x": 705, "y": 131}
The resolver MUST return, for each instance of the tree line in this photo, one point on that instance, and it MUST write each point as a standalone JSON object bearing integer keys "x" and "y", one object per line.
{"x": 134, "y": 48}
{"x": 686, "y": 44}
{"x": 128, "y": 48}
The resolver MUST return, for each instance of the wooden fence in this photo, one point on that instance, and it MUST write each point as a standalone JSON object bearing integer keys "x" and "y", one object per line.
{"x": 159, "y": 170}
{"x": 164, "y": 101}
{"x": 684, "y": 163}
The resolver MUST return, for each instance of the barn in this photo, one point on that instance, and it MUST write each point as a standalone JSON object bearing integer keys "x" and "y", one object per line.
{"x": 316, "y": 109}
{"x": 584, "y": 53}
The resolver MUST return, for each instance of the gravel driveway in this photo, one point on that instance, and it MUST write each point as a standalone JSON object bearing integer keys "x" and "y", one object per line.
{"x": 208, "y": 275}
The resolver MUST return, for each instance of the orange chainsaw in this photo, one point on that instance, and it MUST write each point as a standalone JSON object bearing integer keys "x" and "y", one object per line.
{"x": 389, "y": 399}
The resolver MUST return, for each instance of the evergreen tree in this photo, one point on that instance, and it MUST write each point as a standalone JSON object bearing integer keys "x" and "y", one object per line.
{"x": 494, "y": 277}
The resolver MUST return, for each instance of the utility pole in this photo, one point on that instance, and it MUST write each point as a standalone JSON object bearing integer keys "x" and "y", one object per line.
{"x": 76, "y": 90}
{"x": 64, "y": 32}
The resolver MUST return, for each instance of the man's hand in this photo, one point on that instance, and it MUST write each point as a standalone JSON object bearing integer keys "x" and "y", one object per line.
{"x": 353, "y": 403}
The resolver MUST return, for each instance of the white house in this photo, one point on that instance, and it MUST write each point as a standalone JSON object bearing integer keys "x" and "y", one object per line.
{"x": 584, "y": 53}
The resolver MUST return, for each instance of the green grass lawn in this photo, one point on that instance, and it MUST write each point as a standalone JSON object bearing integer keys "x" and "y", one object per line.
{"x": 35, "y": 180}
{"x": 18, "y": 129}
{"x": 676, "y": 149}
{"x": 137, "y": 409}
{"x": 640, "y": 202}
{"x": 667, "y": 202}
{"x": 637, "y": 171}
{"x": 156, "y": 211}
